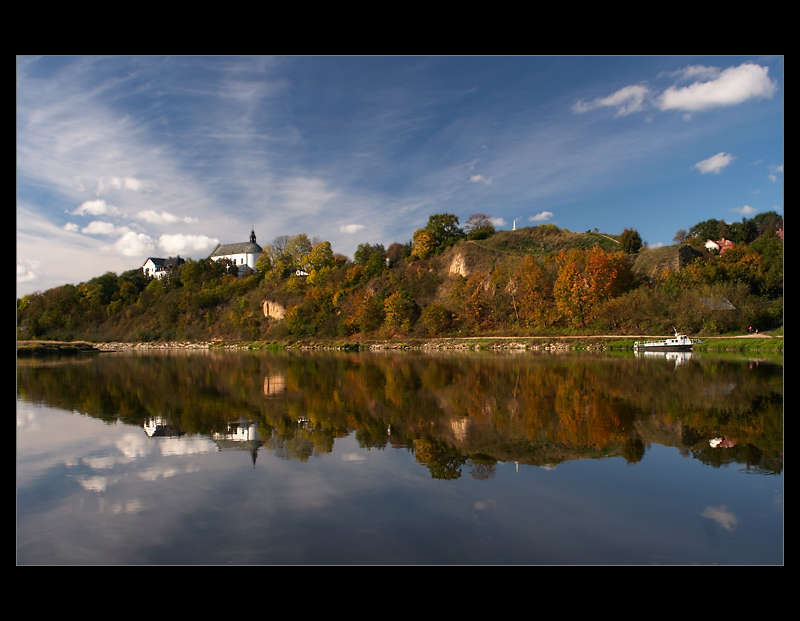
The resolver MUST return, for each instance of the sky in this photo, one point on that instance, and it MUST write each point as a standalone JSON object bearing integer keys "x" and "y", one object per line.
{"x": 122, "y": 158}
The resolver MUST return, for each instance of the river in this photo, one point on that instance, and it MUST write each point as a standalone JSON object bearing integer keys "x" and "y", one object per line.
{"x": 409, "y": 458}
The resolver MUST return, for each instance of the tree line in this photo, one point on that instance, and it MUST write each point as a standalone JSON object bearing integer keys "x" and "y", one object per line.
{"x": 406, "y": 289}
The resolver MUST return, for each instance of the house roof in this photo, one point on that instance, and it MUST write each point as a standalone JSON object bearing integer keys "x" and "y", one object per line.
{"x": 171, "y": 262}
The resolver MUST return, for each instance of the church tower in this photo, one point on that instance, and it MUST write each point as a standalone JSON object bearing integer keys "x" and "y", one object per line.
{"x": 252, "y": 236}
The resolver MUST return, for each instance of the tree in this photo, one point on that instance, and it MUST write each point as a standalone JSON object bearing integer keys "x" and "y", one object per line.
{"x": 479, "y": 226}
{"x": 630, "y": 241}
{"x": 400, "y": 311}
{"x": 587, "y": 278}
{"x": 365, "y": 251}
{"x": 436, "y": 318}
{"x": 441, "y": 231}
{"x": 534, "y": 291}
{"x": 708, "y": 229}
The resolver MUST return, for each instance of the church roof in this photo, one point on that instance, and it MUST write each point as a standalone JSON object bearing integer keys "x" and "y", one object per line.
{"x": 250, "y": 247}
{"x": 244, "y": 247}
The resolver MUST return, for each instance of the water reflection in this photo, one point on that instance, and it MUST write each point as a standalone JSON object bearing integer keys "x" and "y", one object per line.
{"x": 455, "y": 413}
{"x": 255, "y": 458}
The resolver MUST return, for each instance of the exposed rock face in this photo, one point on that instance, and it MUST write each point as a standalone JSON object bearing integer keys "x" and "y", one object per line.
{"x": 274, "y": 310}
{"x": 459, "y": 266}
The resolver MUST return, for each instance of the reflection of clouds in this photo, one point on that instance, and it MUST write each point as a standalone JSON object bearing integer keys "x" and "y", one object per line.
{"x": 129, "y": 506}
{"x": 353, "y": 457}
{"x": 101, "y": 463}
{"x": 186, "y": 445}
{"x": 26, "y": 420}
{"x": 722, "y": 516}
{"x": 133, "y": 446}
{"x": 153, "y": 474}
{"x": 484, "y": 505}
{"x": 97, "y": 484}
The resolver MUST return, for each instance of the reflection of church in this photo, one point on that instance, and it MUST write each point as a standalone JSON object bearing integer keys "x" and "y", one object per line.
{"x": 159, "y": 427}
{"x": 241, "y": 435}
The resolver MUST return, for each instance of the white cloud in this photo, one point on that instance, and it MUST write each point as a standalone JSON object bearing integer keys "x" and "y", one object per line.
{"x": 498, "y": 221}
{"x": 714, "y": 164}
{"x": 746, "y": 210}
{"x": 96, "y": 207}
{"x": 26, "y": 271}
{"x": 351, "y": 228}
{"x": 626, "y": 100}
{"x": 164, "y": 217}
{"x": 541, "y": 216}
{"x": 134, "y": 245}
{"x": 71, "y": 227}
{"x": 732, "y": 86}
{"x": 187, "y": 244}
{"x": 711, "y": 88}
{"x": 98, "y": 227}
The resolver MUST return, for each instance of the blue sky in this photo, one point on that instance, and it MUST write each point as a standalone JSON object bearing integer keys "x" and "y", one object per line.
{"x": 123, "y": 158}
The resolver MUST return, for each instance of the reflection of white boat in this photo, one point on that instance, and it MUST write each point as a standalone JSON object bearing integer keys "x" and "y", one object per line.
{"x": 681, "y": 342}
{"x": 678, "y": 357}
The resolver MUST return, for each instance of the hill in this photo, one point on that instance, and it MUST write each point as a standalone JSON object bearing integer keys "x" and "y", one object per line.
{"x": 532, "y": 281}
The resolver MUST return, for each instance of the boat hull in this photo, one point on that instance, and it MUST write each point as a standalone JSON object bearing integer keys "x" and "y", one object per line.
{"x": 664, "y": 347}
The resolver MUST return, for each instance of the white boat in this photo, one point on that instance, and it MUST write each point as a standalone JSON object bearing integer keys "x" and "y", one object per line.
{"x": 681, "y": 342}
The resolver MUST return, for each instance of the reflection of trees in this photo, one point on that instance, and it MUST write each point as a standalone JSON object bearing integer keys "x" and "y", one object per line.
{"x": 442, "y": 460}
{"x": 452, "y": 411}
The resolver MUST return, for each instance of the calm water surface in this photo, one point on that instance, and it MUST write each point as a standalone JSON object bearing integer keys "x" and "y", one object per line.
{"x": 269, "y": 458}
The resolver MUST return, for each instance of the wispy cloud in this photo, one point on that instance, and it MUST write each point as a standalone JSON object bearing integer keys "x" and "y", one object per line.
{"x": 542, "y": 216}
{"x": 626, "y": 100}
{"x": 164, "y": 217}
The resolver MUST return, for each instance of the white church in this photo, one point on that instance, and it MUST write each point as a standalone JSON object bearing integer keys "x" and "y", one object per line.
{"x": 242, "y": 255}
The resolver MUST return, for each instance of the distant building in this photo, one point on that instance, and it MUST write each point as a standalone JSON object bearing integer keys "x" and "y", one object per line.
{"x": 244, "y": 254}
{"x": 158, "y": 268}
{"x": 721, "y": 246}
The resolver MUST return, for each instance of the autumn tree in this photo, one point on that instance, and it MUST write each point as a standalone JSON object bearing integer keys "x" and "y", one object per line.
{"x": 586, "y": 279}
{"x": 533, "y": 288}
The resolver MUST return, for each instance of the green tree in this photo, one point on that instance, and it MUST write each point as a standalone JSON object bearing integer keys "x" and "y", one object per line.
{"x": 630, "y": 241}
{"x": 400, "y": 311}
{"x": 441, "y": 231}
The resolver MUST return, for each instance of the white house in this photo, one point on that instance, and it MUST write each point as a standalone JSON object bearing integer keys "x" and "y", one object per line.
{"x": 243, "y": 254}
{"x": 158, "y": 268}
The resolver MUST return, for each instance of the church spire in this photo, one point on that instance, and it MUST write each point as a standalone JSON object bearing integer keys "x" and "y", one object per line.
{"x": 253, "y": 235}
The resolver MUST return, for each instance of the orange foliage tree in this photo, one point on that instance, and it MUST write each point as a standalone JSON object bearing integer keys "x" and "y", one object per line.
{"x": 588, "y": 278}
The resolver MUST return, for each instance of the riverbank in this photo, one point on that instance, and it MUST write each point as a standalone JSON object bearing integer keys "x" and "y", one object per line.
{"x": 743, "y": 343}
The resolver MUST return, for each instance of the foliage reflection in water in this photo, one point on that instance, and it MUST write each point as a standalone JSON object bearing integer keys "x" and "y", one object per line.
{"x": 455, "y": 417}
